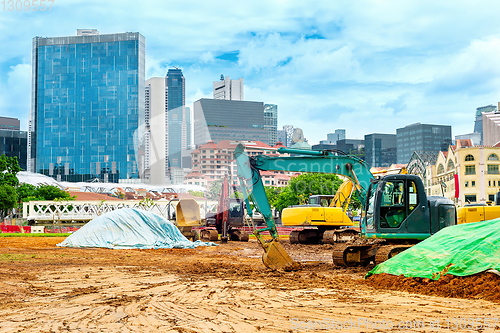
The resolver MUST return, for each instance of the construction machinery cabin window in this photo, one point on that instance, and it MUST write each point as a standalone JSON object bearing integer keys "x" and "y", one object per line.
{"x": 392, "y": 210}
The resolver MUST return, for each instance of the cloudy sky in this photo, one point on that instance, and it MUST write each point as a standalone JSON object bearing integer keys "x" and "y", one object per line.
{"x": 365, "y": 66}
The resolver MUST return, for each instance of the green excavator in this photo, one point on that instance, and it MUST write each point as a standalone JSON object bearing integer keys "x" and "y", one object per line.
{"x": 397, "y": 211}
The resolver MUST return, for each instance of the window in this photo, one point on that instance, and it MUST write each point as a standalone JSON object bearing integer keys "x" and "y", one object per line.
{"x": 466, "y": 184}
{"x": 450, "y": 166}
{"x": 493, "y": 169}
{"x": 469, "y": 158}
{"x": 473, "y": 183}
{"x": 470, "y": 198}
{"x": 470, "y": 169}
{"x": 491, "y": 197}
{"x": 392, "y": 210}
{"x": 440, "y": 169}
{"x": 493, "y": 157}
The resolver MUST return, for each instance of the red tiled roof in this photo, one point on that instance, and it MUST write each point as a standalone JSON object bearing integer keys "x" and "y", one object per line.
{"x": 91, "y": 196}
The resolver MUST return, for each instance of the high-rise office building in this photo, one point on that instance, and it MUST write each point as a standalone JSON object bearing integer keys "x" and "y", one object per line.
{"x": 380, "y": 149}
{"x": 155, "y": 160}
{"x": 87, "y": 114}
{"x": 220, "y": 120}
{"x": 178, "y": 118}
{"x": 289, "y": 133}
{"x": 421, "y": 138}
{"x": 228, "y": 89}
{"x": 13, "y": 142}
{"x": 478, "y": 123}
{"x": 271, "y": 123}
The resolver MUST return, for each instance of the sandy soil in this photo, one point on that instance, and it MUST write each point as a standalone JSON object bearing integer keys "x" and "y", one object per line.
{"x": 44, "y": 288}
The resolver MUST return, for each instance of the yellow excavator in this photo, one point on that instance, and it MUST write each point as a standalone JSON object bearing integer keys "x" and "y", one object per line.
{"x": 326, "y": 213}
{"x": 479, "y": 212}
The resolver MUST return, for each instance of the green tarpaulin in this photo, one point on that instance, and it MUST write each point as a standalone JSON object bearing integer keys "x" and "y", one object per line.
{"x": 460, "y": 250}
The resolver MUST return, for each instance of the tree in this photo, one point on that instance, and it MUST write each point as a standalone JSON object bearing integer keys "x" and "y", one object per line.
{"x": 9, "y": 167}
{"x": 8, "y": 200}
{"x": 214, "y": 189}
{"x": 51, "y": 192}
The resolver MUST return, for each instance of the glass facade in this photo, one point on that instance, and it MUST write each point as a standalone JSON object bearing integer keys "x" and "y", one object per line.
{"x": 218, "y": 120}
{"x": 421, "y": 138}
{"x": 88, "y": 107}
{"x": 178, "y": 118}
{"x": 271, "y": 123}
{"x": 14, "y": 143}
{"x": 380, "y": 149}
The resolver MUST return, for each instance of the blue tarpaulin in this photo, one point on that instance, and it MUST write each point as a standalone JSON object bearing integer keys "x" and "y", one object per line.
{"x": 130, "y": 228}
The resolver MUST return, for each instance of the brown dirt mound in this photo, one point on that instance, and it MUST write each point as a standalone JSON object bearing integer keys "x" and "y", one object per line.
{"x": 479, "y": 286}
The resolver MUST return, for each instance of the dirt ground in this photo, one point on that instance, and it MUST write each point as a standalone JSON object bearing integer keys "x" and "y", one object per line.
{"x": 44, "y": 288}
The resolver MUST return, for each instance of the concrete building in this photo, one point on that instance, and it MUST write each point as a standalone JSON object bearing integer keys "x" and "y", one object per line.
{"x": 155, "y": 158}
{"x": 466, "y": 173}
{"x": 380, "y": 149}
{"x": 13, "y": 142}
{"x": 87, "y": 110}
{"x": 228, "y": 89}
{"x": 12, "y": 124}
{"x": 217, "y": 120}
{"x": 212, "y": 161}
{"x": 332, "y": 138}
{"x": 422, "y": 138}
{"x": 282, "y": 137}
{"x": 491, "y": 128}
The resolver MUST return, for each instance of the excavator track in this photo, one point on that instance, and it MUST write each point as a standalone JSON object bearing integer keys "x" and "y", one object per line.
{"x": 336, "y": 236}
{"x": 388, "y": 251}
{"x": 306, "y": 236}
{"x": 209, "y": 235}
{"x": 360, "y": 252}
{"x": 294, "y": 237}
{"x": 238, "y": 235}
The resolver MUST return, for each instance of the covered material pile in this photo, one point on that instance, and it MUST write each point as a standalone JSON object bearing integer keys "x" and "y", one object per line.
{"x": 130, "y": 228}
{"x": 461, "y": 250}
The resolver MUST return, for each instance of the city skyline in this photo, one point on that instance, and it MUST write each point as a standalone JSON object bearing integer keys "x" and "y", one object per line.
{"x": 325, "y": 65}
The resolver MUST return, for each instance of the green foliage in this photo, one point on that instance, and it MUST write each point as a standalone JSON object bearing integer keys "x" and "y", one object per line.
{"x": 146, "y": 202}
{"x": 213, "y": 191}
{"x": 285, "y": 198}
{"x": 196, "y": 193}
{"x": 27, "y": 192}
{"x": 9, "y": 167}
{"x": 8, "y": 181}
{"x": 51, "y": 192}
{"x": 8, "y": 199}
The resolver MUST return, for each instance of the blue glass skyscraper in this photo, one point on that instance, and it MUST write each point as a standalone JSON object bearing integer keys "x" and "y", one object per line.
{"x": 88, "y": 106}
{"x": 178, "y": 118}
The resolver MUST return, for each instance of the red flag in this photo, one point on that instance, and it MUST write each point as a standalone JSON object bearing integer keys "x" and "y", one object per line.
{"x": 457, "y": 187}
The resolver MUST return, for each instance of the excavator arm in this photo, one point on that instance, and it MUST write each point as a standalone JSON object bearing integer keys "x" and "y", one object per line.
{"x": 275, "y": 256}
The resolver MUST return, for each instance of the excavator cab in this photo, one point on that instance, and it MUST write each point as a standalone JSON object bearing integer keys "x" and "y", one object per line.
{"x": 398, "y": 206}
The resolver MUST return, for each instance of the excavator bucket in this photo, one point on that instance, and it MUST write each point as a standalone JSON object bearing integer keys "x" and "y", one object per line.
{"x": 275, "y": 257}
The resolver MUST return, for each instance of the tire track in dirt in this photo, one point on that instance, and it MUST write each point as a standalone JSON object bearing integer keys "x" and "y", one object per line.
{"x": 123, "y": 302}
